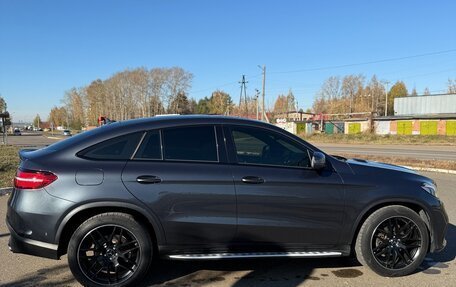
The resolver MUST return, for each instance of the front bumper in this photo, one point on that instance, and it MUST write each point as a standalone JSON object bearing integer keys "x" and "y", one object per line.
{"x": 438, "y": 226}
{"x": 19, "y": 244}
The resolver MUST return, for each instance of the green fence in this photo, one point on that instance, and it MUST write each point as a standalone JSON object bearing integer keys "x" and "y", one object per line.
{"x": 329, "y": 128}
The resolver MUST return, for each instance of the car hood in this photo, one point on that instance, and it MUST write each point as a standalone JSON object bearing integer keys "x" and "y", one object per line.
{"x": 362, "y": 162}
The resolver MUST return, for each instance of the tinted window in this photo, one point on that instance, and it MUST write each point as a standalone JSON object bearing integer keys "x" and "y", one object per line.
{"x": 119, "y": 148}
{"x": 150, "y": 147}
{"x": 190, "y": 143}
{"x": 258, "y": 146}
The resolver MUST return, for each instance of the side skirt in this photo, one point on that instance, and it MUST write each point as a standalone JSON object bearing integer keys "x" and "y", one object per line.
{"x": 254, "y": 255}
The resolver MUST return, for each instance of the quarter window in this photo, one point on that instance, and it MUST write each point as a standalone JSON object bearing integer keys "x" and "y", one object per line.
{"x": 118, "y": 148}
{"x": 259, "y": 146}
{"x": 190, "y": 143}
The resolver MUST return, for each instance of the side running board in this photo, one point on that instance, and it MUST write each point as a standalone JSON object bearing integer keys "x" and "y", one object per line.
{"x": 254, "y": 255}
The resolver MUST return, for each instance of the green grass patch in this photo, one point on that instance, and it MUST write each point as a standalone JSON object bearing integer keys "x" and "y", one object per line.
{"x": 365, "y": 138}
{"x": 9, "y": 161}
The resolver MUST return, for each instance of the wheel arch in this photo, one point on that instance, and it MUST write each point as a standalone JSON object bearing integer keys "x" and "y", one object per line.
{"x": 413, "y": 205}
{"x": 78, "y": 215}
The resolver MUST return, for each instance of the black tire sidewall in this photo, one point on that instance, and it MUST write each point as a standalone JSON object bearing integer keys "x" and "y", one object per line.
{"x": 120, "y": 219}
{"x": 365, "y": 236}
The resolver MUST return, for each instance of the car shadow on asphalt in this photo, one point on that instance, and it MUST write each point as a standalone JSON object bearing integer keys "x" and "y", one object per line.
{"x": 434, "y": 262}
{"x": 248, "y": 272}
{"x": 277, "y": 272}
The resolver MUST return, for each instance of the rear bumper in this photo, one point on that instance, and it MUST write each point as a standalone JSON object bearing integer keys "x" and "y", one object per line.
{"x": 20, "y": 244}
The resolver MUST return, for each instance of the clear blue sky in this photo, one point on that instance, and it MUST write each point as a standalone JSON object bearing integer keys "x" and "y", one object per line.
{"x": 48, "y": 47}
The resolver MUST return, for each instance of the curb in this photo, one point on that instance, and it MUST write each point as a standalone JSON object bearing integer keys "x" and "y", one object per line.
{"x": 448, "y": 171}
{"x": 5, "y": 191}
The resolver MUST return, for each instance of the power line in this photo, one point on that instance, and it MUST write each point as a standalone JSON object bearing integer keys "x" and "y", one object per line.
{"x": 365, "y": 63}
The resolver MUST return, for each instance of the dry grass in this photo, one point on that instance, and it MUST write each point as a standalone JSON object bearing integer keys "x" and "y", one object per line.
{"x": 407, "y": 161}
{"x": 380, "y": 139}
{"x": 9, "y": 161}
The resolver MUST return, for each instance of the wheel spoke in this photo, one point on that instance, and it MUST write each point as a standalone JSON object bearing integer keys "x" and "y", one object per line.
{"x": 112, "y": 234}
{"x": 380, "y": 248}
{"x": 123, "y": 252}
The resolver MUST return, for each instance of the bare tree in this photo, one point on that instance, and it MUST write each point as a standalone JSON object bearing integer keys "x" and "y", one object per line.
{"x": 352, "y": 88}
{"x": 451, "y": 86}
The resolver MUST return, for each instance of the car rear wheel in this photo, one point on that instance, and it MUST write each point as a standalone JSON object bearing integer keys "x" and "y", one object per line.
{"x": 393, "y": 241}
{"x": 110, "y": 249}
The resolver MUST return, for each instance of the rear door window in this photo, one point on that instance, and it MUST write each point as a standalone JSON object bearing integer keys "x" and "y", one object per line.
{"x": 197, "y": 143}
{"x": 150, "y": 147}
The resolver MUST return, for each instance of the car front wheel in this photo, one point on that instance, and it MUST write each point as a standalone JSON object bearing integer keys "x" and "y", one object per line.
{"x": 393, "y": 241}
{"x": 110, "y": 249}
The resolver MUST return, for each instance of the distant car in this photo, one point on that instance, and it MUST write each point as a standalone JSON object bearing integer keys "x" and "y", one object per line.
{"x": 67, "y": 133}
{"x": 17, "y": 132}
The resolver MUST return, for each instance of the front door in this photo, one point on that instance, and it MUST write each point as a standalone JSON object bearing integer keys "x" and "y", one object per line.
{"x": 281, "y": 199}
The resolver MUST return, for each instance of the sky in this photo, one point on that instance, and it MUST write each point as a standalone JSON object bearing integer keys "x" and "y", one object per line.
{"x": 48, "y": 47}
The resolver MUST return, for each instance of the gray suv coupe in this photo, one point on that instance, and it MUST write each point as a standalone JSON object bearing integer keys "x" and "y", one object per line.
{"x": 213, "y": 187}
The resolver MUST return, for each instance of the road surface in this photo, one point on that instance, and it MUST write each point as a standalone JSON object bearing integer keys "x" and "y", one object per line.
{"x": 437, "y": 270}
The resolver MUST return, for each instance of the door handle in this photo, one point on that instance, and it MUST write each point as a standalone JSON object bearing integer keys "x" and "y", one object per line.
{"x": 148, "y": 179}
{"x": 252, "y": 179}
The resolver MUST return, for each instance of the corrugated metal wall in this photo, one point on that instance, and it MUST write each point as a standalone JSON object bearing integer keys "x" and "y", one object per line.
{"x": 422, "y": 105}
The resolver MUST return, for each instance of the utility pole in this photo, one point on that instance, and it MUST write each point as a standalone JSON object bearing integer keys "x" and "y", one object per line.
{"x": 386, "y": 98}
{"x": 263, "y": 112}
{"x": 243, "y": 88}
{"x": 257, "y": 93}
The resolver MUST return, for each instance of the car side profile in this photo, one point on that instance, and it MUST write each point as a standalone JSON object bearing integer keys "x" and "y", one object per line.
{"x": 212, "y": 187}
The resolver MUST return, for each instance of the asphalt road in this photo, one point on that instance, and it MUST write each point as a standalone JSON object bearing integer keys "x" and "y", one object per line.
{"x": 437, "y": 270}
{"x": 427, "y": 152}
{"x": 33, "y": 140}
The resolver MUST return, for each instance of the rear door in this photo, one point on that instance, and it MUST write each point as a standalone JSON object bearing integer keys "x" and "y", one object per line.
{"x": 179, "y": 173}
{"x": 281, "y": 200}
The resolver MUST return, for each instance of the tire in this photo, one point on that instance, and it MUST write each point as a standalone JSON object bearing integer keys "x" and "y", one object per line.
{"x": 110, "y": 249}
{"x": 393, "y": 241}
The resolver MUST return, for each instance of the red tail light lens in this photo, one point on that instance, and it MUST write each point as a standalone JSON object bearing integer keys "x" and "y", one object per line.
{"x": 29, "y": 179}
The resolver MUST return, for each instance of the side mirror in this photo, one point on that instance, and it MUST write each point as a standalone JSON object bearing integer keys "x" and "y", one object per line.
{"x": 318, "y": 160}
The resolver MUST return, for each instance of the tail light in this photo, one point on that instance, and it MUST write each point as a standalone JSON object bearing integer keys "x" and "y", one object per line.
{"x": 30, "y": 179}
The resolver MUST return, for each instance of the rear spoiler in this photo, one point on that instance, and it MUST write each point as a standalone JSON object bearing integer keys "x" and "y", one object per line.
{"x": 23, "y": 153}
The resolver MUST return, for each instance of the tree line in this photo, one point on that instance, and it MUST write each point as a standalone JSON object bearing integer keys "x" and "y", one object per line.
{"x": 352, "y": 94}
{"x": 141, "y": 92}
{"x": 135, "y": 93}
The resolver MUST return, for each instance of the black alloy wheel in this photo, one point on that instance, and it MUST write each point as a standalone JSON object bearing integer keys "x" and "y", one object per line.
{"x": 109, "y": 254}
{"x": 396, "y": 242}
{"x": 393, "y": 241}
{"x": 110, "y": 249}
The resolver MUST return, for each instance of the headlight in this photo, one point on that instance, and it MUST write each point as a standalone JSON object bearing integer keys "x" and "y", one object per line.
{"x": 429, "y": 187}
